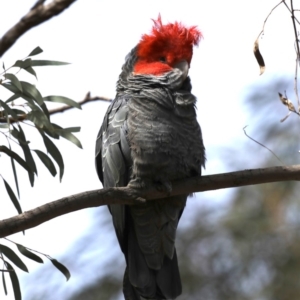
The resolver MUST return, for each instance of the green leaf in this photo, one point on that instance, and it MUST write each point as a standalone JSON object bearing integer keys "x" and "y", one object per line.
{"x": 12, "y": 196}
{"x": 35, "y": 51}
{"x": 29, "y": 254}
{"x": 14, "y": 80}
{"x": 61, "y": 268}
{"x": 70, "y": 137}
{"x": 66, "y": 133}
{"x": 16, "y": 157}
{"x": 10, "y": 87}
{"x": 11, "y": 255}
{"x": 72, "y": 129}
{"x": 31, "y": 91}
{"x": 8, "y": 110}
{"x": 23, "y": 64}
{"x": 61, "y": 99}
{"x": 46, "y": 161}
{"x": 39, "y": 119}
{"x": 4, "y": 284}
{"x": 14, "y": 281}
{"x": 13, "y": 97}
{"x": 39, "y": 63}
{"x": 15, "y": 173}
{"x": 26, "y": 65}
{"x": 28, "y": 156}
{"x": 54, "y": 152}
{"x": 19, "y": 111}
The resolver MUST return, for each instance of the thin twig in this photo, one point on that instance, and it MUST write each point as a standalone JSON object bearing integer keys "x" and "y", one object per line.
{"x": 262, "y": 145}
{"x": 87, "y": 99}
{"x": 61, "y": 109}
{"x": 38, "y": 14}
{"x": 263, "y": 29}
{"x": 295, "y": 32}
{"x": 291, "y": 11}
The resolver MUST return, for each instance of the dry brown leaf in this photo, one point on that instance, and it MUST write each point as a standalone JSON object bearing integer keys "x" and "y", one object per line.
{"x": 259, "y": 57}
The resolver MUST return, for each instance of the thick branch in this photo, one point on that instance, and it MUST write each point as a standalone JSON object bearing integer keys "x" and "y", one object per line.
{"x": 38, "y": 14}
{"x": 130, "y": 196}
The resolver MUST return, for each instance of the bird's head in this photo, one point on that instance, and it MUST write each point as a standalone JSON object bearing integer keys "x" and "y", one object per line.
{"x": 165, "y": 48}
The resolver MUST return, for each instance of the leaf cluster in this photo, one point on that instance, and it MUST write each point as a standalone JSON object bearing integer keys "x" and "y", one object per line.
{"x": 27, "y": 107}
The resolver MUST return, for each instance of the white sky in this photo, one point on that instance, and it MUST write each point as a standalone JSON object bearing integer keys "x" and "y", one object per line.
{"x": 95, "y": 36}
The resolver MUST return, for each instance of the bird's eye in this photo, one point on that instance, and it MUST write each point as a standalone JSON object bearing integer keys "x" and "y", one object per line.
{"x": 163, "y": 59}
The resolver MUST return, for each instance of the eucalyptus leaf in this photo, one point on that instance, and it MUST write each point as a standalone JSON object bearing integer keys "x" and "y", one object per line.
{"x": 29, "y": 254}
{"x": 14, "y": 280}
{"x": 14, "y": 80}
{"x": 31, "y": 91}
{"x": 4, "y": 283}
{"x": 28, "y": 156}
{"x": 12, "y": 196}
{"x": 35, "y": 51}
{"x": 16, "y": 157}
{"x": 8, "y": 110}
{"x": 54, "y": 152}
{"x": 61, "y": 268}
{"x": 46, "y": 161}
{"x": 61, "y": 99}
{"x": 15, "y": 173}
{"x": 12, "y": 256}
{"x": 39, "y": 63}
{"x": 13, "y": 97}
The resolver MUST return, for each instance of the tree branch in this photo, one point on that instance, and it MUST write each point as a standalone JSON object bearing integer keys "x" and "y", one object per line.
{"x": 61, "y": 109}
{"x": 126, "y": 195}
{"x": 38, "y": 14}
{"x": 87, "y": 99}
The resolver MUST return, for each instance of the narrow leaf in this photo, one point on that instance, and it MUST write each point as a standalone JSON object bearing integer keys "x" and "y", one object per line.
{"x": 14, "y": 281}
{"x": 46, "y": 161}
{"x": 39, "y": 119}
{"x": 70, "y": 137}
{"x": 25, "y": 65}
{"x": 61, "y": 268}
{"x": 12, "y": 196}
{"x": 11, "y": 255}
{"x": 15, "y": 173}
{"x": 67, "y": 134}
{"x": 54, "y": 152}
{"x": 61, "y": 99}
{"x": 10, "y": 87}
{"x": 4, "y": 283}
{"x": 14, "y": 80}
{"x": 38, "y": 63}
{"x": 16, "y": 157}
{"x": 13, "y": 97}
{"x": 72, "y": 129}
{"x": 29, "y": 254}
{"x": 19, "y": 111}
{"x": 35, "y": 51}
{"x": 31, "y": 91}
{"x": 8, "y": 110}
{"x": 28, "y": 156}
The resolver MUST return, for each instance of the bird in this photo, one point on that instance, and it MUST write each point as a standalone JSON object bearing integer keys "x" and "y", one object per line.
{"x": 150, "y": 136}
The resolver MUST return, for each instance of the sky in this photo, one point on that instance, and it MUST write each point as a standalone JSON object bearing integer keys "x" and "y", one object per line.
{"x": 95, "y": 36}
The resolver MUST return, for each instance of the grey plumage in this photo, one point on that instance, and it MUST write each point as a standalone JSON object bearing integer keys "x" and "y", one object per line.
{"x": 149, "y": 136}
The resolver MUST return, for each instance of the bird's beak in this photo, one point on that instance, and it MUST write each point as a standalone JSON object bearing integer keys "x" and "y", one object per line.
{"x": 183, "y": 66}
